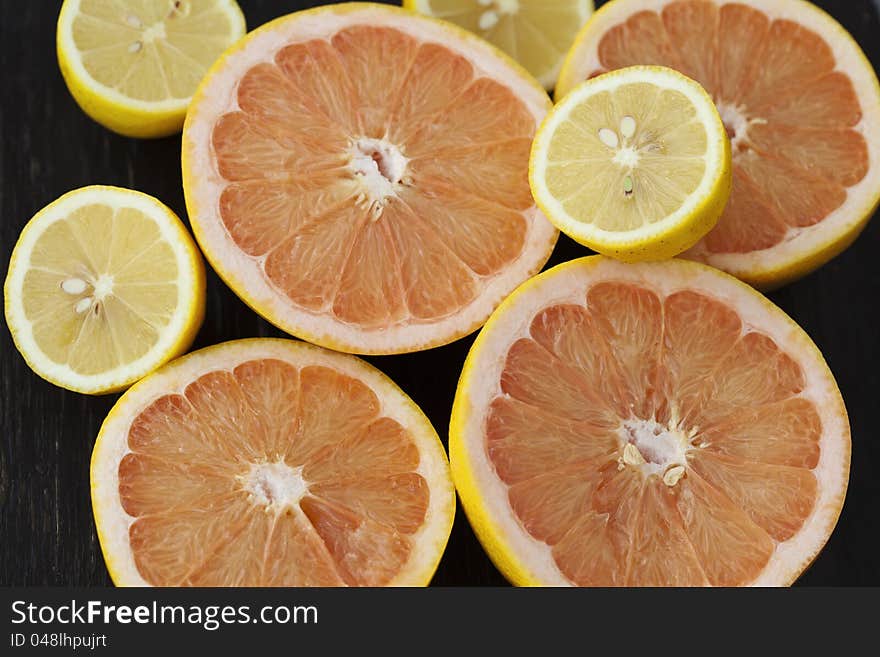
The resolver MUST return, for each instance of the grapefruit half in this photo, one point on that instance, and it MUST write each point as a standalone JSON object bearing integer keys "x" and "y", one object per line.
{"x": 270, "y": 463}
{"x": 358, "y": 174}
{"x": 648, "y": 425}
{"x": 801, "y": 104}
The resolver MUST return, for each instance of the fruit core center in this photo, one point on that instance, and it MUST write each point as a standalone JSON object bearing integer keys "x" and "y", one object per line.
{"x": 624, "y": 151}
{"x": 103, "y": 286}
{"x": 275, "y": 486}
{"x": 494, "y": 10}
{"x": 654, "y": 449}
{"x": 381, "y": 168}
{"x": 736, "y": 123}
{"x": 87, "y": 294}
{"x": 150, "y": 33}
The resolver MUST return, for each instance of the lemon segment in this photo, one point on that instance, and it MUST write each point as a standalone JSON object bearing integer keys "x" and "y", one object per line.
{"x": 133, "y": 66}
{"x": 634, "y": 164}
{"x": 536, "y": 33}
{"x": 104, "y": 286}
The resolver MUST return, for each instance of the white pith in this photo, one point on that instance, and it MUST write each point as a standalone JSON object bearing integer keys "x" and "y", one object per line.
{"x": 379, "y": 168}
{"x": 567, "y": 284}
{"x": 113, "y": 522}
{"x": 217, "y": 96}
{"x": 652, "y": 448}
{"x": 172, "y": 233}
{"x": 862, "y": 198}
{"x": 274, "y": 486}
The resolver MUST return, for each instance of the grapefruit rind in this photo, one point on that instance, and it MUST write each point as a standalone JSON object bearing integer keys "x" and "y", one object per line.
{"x": 202, "y": 183}
{"x": 177, "y": 336}
{"x": 809, "y": 248}
{"x": 526, "y": 561}
{"x": 671, "y": 235}
{"x": 110, "y": 448}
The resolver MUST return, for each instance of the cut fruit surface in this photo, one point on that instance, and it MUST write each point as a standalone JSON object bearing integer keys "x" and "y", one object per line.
{"x": 652, "y": 424}
{"x": 634, "y": 164}
{"x": 270, "y": 463}
{"x": 536, "y": 33}
{"x": 104, "y": 285}
{"x": 133, "y": 66}
{"x": 358, "y": 174}
{"x": 801, "y": 105}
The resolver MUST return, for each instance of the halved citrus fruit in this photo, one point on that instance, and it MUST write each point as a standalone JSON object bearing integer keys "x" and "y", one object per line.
{"x": 358, "y": 174}
{"x": 104, "y": 285}
{"x": 133, "y": 65}
{"x": 634, "y": 164}
{"x": 536, "y": 33}
{"x": 270, "y": 463}
{"x": 801, "y": 104}
{"x": 648, "y": 424}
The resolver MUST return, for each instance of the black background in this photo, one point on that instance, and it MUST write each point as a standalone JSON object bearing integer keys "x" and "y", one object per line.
{"x": 46, "y": 434}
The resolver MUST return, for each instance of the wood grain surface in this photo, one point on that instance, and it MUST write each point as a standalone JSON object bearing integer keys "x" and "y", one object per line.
{"x": 46, "y": 434}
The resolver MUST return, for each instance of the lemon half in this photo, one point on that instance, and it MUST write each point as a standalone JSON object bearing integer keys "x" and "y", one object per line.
{"x": 133, "y": 65}
{"x": 635, "y": 164}
{"x": 104, "y": 286}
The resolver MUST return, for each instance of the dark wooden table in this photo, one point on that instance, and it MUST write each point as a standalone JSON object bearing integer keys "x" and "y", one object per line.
{"x": 46, "y": 434}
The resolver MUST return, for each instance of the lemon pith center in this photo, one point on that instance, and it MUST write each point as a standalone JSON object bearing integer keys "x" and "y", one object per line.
{"x": 495, "y": 9}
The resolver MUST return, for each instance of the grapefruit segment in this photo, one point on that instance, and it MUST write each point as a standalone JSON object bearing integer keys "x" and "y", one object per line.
{"x": 496, "y": 233}
{"x": 645, "y": 425}
{"x": 331, "y": 94}
{"x": 270, "y": 463}
{"x": 167, "y": 547}
{"x": 661, "y": 551}
{"x": 550, "y": 504}
{"x": 533, "y": 376}
{"x": 230, "y": 564}
{"x": 780, "y": 512}
{"x": 359, "y": 175}
{"x": 167, "y": 426}
{"x": 829, "y": 102}
{"x": 382, "y": 445}
{"x": 801, "y": 105}
{"x": 366, "y": 553}
{"x": 514, "y": 428}
{"x": 378, "y": 61}
{"x": 271, "y": 389}
{"x": 297, "y": 556}
{"x": 561, "y": 330}
{"x": 595, "y": 551}
{"x": 631, "y": 321}
{"x": 786, "y": 433}
{"x": 399, "y": 501}
{"x": 195, "y": 486}
{"x": 732, "y": 549}
{"x": 442, "y": 77}
{"x": 837, "y": 155}
{"x": 369, "y": 295}
{"x": 306, "y": 264}
{"x": 424, "y": 261}
{"x": 749, "y": 222}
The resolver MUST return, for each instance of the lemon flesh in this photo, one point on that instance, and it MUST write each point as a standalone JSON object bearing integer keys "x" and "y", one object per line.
{"x": 536, "y": 33}
{"x": 634, "y": 164}
{"x": 104, "y": 286}
{"x": 133, "y": 66}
